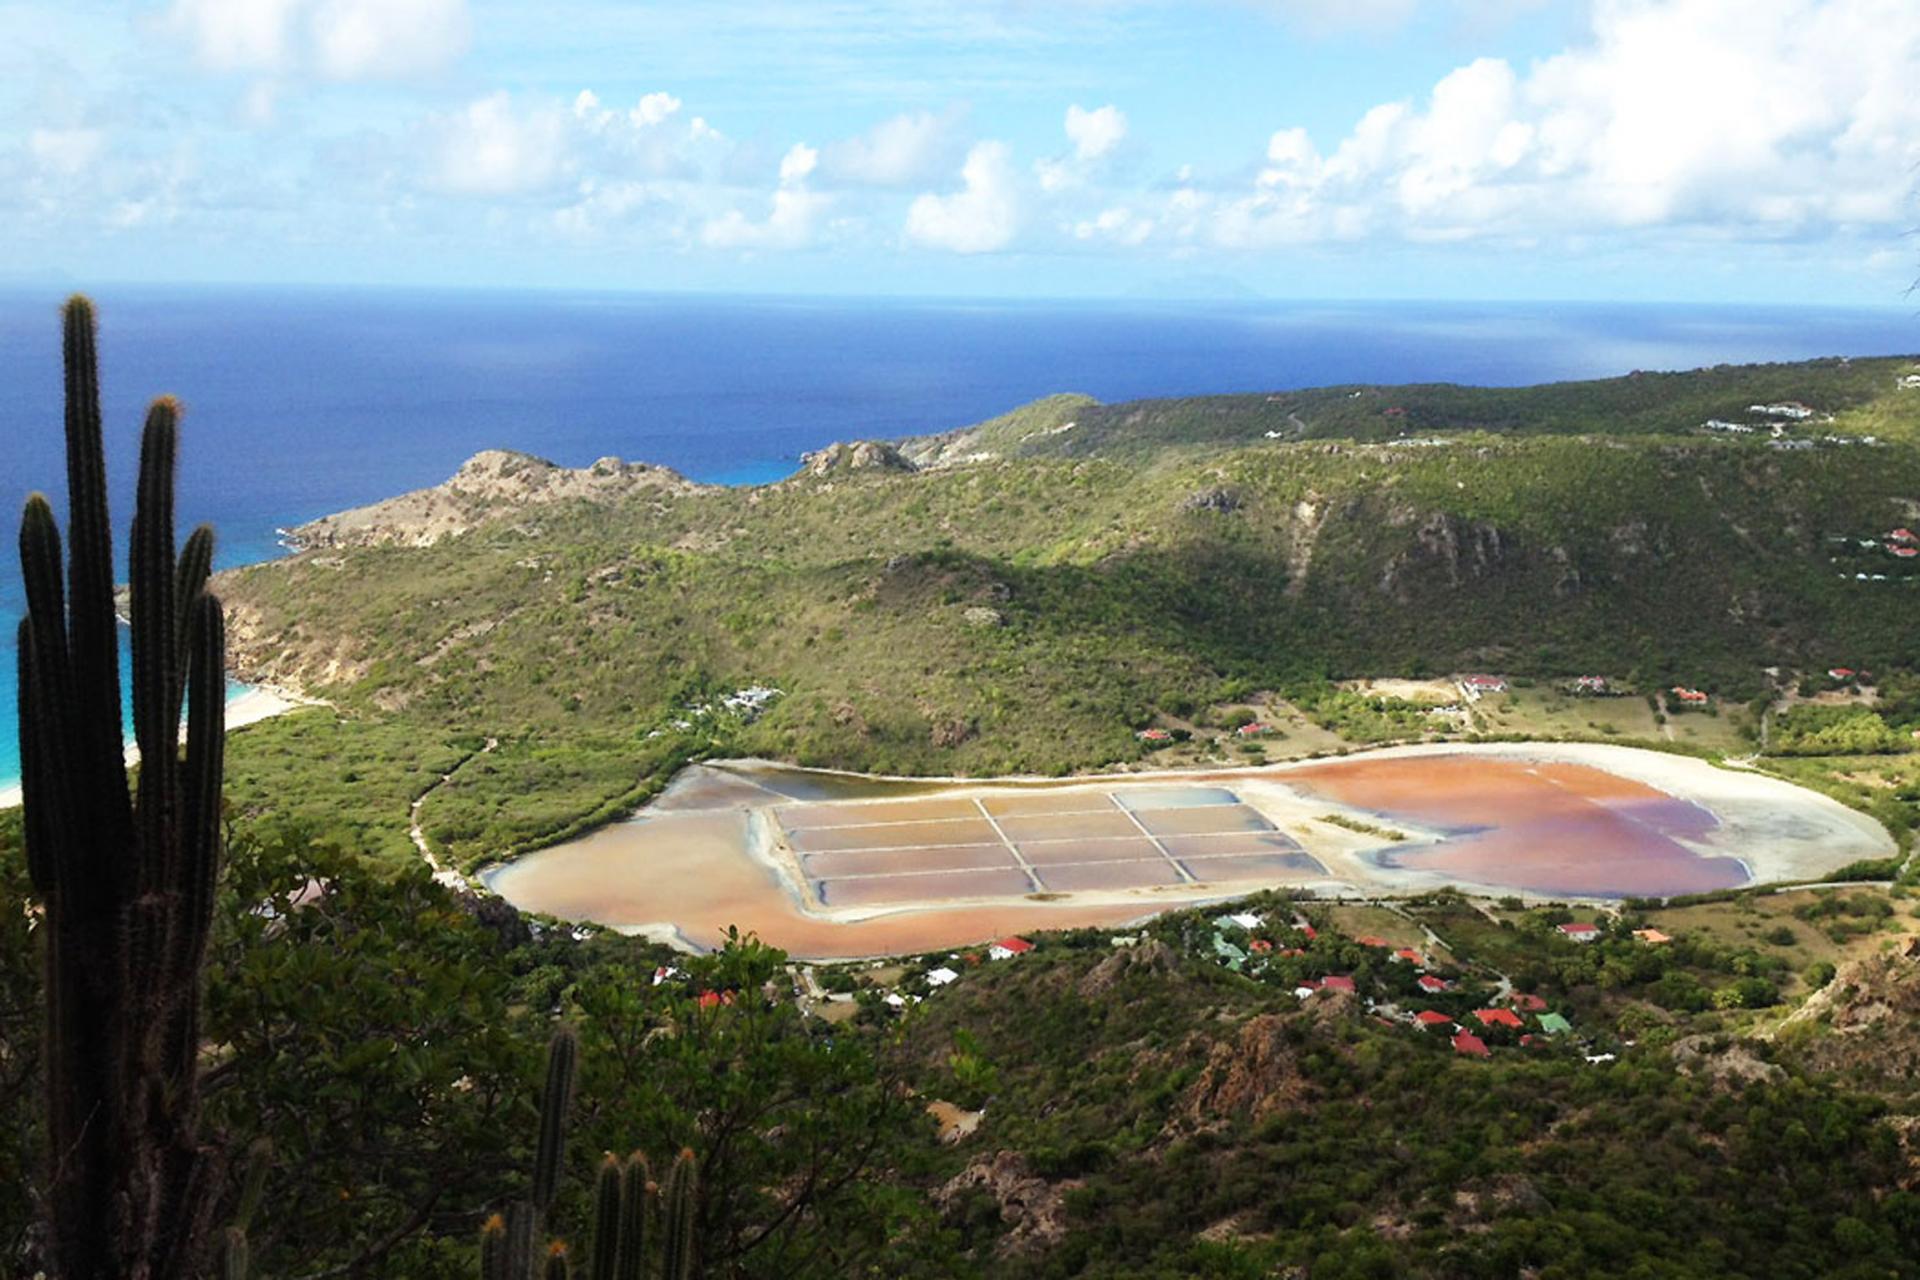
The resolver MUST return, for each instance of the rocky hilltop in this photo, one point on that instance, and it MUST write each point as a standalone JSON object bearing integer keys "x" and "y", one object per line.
{"x": 487, "y": 484}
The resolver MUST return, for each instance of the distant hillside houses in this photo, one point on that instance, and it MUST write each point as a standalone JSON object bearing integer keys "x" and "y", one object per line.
{"x": 1790, "y": 409}
{"x": 1474, "y": 686}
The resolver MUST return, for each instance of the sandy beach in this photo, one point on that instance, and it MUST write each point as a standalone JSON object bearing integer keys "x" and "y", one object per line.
{"x": 259, "y": 702}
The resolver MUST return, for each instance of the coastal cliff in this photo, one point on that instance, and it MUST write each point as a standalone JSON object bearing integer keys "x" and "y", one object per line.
{"x": 488, "y": 484}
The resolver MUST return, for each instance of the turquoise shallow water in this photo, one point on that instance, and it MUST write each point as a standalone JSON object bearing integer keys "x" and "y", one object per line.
{"x": 304, "y": 402}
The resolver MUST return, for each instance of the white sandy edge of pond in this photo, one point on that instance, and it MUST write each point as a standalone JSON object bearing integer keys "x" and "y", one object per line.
{"x": 1783, "y": 833}
{"x": 259, "y": 702}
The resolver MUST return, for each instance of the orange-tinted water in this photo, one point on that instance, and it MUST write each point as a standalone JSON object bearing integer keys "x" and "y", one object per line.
{"x": 1548, "y": 828}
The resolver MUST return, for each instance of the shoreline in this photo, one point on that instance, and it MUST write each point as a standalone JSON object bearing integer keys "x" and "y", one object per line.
{"x": 258, "y": 702}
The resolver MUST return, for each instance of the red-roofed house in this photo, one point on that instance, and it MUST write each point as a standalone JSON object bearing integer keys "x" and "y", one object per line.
{"x": 1471, "y": 1045}
{"x": 1652, "y": 937}
{"x": 1483, "y": 684}
{"x": 1337, "y": 982}
{"x": 1259, "y": 946}
{"x": 1369, "y": 940}
{"x": 1409, "y": 955}
{"x": 1905, "y": 553}
{"x": 1252, "y": 729}
{"x": 1841, "y": 673}
{"x": 1498, "y": 1018}
{"x": 1310, "y": 931}
{"x": 1432, "y": 985}
{"x": 1692, "y": 697}
{"x": 1580, "y": 931}
{"x": 1008, "y": 948}
{"x": 714, "y": 999}
{"x": 1524, "y": 1000}
{"x": 1902, "y": 535}
{"x": 1427, "y": 1019}
{"x": 1154, "y": 735}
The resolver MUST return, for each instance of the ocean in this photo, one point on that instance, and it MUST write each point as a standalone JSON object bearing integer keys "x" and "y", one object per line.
{"x": 302, "y": 402}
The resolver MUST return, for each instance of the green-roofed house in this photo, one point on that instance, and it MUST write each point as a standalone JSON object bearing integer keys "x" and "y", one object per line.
{"x": 1232, "y": 955}
{"x": 1553, "y": 1024}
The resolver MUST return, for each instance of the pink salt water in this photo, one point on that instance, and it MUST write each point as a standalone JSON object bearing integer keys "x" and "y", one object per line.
{"x": 1547, "y": 828}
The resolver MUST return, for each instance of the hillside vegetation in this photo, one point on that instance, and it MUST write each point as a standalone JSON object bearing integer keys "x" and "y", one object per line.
{"x": 1029, "y": 613}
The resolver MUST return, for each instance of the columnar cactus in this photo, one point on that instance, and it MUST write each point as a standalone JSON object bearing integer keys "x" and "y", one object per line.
{"x": 126, "y": 881}
{"x": 626, "y": 1246}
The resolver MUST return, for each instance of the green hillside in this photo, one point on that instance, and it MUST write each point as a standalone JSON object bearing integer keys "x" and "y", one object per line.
{"x": 1030, "y": 613}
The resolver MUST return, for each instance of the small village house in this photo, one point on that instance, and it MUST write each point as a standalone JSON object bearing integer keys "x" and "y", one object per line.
{"x": 1580, "y": 931}
{"x": 1008, "y": 948}
{"x": 1470, "y": 1045}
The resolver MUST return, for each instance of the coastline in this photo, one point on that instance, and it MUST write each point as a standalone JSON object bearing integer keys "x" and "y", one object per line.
{"x": 258, "y": 702}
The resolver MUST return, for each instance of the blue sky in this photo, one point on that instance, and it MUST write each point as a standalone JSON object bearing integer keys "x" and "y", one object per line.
{"x": 1632, "y": 149}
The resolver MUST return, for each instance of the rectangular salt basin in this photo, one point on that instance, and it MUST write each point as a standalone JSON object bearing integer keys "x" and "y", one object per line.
{"x": 870, "y": 862}
{"x": 1254, "y": 867}
{"x": 1091, "y": 876}
{"x": 1229, "y": 843}
{"x": 1174, "y": 797}
{"x": 1068, "y": 826}
{"x": 1048, "y": 802}
{"x": 1187, "y": 822}
{"x": 1055, "y": 853}
{"x": 934, "y": 887}
{"x": 808, "y": 817}
{"x": 895, "y": 835}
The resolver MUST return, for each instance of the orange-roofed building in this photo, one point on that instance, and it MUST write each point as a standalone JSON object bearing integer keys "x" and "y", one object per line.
{"x": 1498, "y": 1018}
{"x": 1471, "y": 1045}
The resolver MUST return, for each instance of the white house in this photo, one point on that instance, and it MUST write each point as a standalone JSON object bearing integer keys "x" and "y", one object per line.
{"x": 940, "y": 977}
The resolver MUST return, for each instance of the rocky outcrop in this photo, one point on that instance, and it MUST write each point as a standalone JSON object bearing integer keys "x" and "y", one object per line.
{"x": 861, "y": 455}
{"x": 1451, "y": 549}
{"x": 1218, "y": 500}
{"x": 1865, "y": 1024}
{"x": 1152, "y": 958}
{"x": 1252, "y": 1075}
{"x": 488, "y": 486}
{"x": 1033, "y": 1209}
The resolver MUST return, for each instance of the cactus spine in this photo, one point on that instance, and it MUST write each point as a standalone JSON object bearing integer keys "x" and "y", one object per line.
{"x": 127, "y": 884}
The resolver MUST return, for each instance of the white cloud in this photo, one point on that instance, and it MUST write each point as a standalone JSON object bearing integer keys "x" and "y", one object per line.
{"x": 983, "y": 216}
{"x": 1758, "y": 117}
{"x": 798, "y": 163}
{"x": 66, "y": 152}
{"x": 908, "y": 148}
{"x": 335, "y": 39}
{"x": 790, "y": 222}
{"x": 652, "y": 109}
{"x": 1097, "y": 132}
{"x": 491, "y": 149}
{"x": 1118, "y": 225}
{"x": 384, "y": 39}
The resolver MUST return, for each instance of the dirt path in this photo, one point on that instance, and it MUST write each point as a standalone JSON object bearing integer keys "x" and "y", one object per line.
{"x": 442, "y": 873}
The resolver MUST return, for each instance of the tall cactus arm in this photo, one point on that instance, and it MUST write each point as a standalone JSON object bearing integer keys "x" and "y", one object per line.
{"x": 190, "y": 579}
{"x": 198, "y": 842}
{"x": 93, "y": 645}
{"x": 563, "y": 1054}
{"x": 679, "y": 1245}
{"x": 45, "y": 689}
{"x": 156, "y": 702}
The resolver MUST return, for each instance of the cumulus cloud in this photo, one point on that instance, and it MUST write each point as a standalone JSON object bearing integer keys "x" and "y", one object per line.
{"x": 984, "y": 215}
{"x": 335, "y": 39}
{"x": 1097, "y": 132}
{"x": 493, "y": 149}
{"x": 1767, "y": 117}
{"x": 906, "y": 149}
{"x": 790, "y": 222}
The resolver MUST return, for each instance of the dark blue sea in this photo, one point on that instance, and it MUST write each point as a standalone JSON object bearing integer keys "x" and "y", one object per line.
{"x": 302, "y": 402}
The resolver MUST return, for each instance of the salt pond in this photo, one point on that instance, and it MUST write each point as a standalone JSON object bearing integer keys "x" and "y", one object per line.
{"x": 835, "y": 865}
